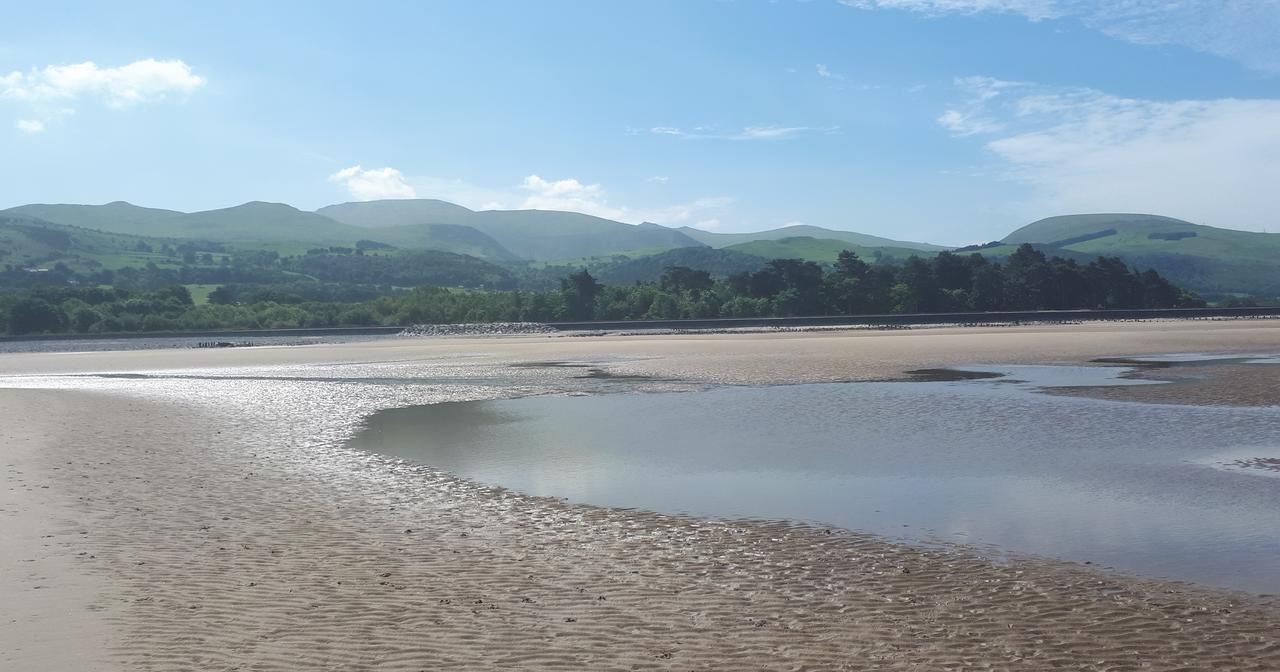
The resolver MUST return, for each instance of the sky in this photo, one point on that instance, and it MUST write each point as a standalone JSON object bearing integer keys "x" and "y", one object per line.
{"x": 948, "y": 121}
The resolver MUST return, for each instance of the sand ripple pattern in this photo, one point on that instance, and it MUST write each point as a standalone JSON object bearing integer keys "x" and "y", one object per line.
{"x": 235, "y": 545}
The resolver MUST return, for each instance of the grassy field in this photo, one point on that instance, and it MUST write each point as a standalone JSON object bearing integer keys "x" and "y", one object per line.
{"x": 200, "y": 293}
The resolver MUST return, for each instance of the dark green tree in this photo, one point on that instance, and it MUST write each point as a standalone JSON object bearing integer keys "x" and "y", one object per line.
{"x": 33, "y": 316}
{"x": 580, "y": 291}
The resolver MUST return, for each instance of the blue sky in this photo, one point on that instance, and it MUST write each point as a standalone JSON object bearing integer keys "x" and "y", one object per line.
{"x": 951, "y": 121}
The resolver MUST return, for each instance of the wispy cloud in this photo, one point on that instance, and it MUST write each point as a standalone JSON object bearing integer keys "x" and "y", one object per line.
{"x": 973, "y": 115}
{"x": 50, "y": 91}
{"x": 373, "y": 184}
{"x": 1082, "y": 150}
{"x": 30, "y": 126}
{"x": 826, "y": 73}
{"x": 1035, "y": 10}
{"x": 1240, "y": 30}
{"x": 747, "y": 133}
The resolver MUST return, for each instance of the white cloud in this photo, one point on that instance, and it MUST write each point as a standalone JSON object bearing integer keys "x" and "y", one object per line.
{"x": 661, "y": 179}
{"x": 826, "y": 73}
{"x": 532, "y": 193}
{"x": 373, "y": 184}
{"x": 748, "y": 133}
{"x": 47, "y": 92}
{"x": 30, "y": 126}
{"x": 574, "y": 196}
{"x": 1082, "y": 150}
{"x": 1241, "y": 30}
{"x": 145, "y": 81}
{"x": 567, "y": 194}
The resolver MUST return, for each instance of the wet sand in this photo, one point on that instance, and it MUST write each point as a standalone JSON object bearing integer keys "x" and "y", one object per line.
{"x": 179, "y": 535}
{"x": 1204, "y": 384}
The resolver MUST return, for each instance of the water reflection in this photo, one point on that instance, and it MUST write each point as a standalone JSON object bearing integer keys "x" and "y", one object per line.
{"x": 1121, "y": 484}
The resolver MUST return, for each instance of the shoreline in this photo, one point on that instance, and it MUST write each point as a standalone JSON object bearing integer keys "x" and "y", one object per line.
{"x": 706, "y": 325}
{"x": 217, "y": 544}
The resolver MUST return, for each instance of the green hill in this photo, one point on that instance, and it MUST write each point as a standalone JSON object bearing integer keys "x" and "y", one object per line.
{"x": 259, "y": 224}
{"x": 550, "y": 235}
{"x": 28, "y": 242}
{"x": 251, "y": 222}
{"x": 397, "y": 212}
{"x": 802, "y": 231}
{"x": 117, "y": 216}
{"x": 406, "y": 269}
{"x": 1203, "y": 258}
{"x": 256, "y": 221}
{"x": 818, "y": 249}
{"x": 719, "y": 263}
{"x": 445, "y": 238}
{"x": 537, "y": 235}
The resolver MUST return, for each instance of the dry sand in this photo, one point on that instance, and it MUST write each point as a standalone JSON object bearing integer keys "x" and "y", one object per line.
{"x": 152, "y": 535}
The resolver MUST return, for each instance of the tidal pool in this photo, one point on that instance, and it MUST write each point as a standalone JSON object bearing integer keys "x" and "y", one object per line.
{"x": 1150, "y": 489}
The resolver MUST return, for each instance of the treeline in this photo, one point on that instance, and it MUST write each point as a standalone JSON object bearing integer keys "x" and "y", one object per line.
{"x": 783, "y": 287}
{"x": 946, "y": 283}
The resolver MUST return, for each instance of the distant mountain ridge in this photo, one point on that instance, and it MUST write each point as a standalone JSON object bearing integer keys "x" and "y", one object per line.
{"x": 1203, "y": 258}
{"x": 825, "y": 250}
{"x": 531, "y": 234}
{"x": 804, "y": 231}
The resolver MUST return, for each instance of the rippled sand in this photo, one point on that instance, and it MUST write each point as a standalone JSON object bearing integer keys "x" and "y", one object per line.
{"x": 213, "y": 522}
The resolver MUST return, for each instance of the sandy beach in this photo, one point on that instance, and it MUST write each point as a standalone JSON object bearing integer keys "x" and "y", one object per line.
{"x": 213, "y": 520}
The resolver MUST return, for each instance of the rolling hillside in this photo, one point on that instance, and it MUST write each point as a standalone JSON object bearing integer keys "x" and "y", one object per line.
{"x": 27, "y": 242}
{"x": 823, "y": 250}
{"x": 1203, "y": 258}
{"x": 444, "y": 238}
{"x": 537, "y": 235}
{"x": 397, "y": 212}
{"x": 117, "y": 216}
{"x": 802, "y": 231}
{"x": 719, "y": 263}
{"x": 256, "y": 222}
{"x": 261, "y": 224}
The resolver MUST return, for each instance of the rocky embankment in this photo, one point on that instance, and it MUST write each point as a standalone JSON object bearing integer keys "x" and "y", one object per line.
{"x": 479, "y": 329}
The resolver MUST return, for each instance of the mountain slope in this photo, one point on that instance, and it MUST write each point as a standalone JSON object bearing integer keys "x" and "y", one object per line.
{"x": 1202, "y": 258}
{"x": 802, "y": 231}
{"x": 540, "y": 235}
{"x": 257, "y": 221}
{"x": 550, "y": 234}
{"x": 251, "y": 222}
{"x": 117, "y": 216}
{"x": 30, "y": 242}
{"x": 443, "y": 237}
{"x": 397, "y": 212}
{"x": 819, "y": 249}
{"x": 719, "y": 263}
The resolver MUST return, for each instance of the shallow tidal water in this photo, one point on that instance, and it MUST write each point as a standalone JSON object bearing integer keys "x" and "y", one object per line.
{"x": 1157, "y": 490}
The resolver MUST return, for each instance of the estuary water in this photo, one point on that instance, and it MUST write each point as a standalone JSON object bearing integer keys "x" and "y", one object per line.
{"x": 1157, "y": 490}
